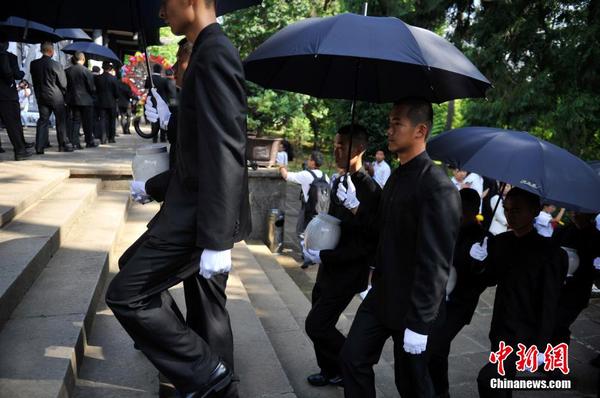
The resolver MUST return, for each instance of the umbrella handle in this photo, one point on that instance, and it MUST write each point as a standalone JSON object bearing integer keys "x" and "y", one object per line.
{"x": 489, "y": 225}
{"x": 138, "y": 129}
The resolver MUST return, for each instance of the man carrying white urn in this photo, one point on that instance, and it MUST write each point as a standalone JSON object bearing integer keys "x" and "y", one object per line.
{"x": 344, "y": 270}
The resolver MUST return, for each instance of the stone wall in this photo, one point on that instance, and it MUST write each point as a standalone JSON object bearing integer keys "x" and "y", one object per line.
{"x": 267, "y": 191}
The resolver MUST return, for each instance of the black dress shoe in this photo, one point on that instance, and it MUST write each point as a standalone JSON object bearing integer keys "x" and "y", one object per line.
{"x": 48, "y": 145}
{"x": 218, "y": 380}
{"x": 321, "y": 380}
{"x": 39, "y": 152}
{"x": 111, "y": 141}
{"x": 65, "y": 148}
{"x": 78, "y": 147}
{"x": 2, "y": 150}
{"x": 22, "y": 155}
{"x": 29, "y": 144}
{"x": 92, "y": 145}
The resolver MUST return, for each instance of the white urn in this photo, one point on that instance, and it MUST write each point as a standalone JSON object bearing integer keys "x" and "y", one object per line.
{"x": 573, "y": 260}
{"x": 322, "y": 232}
{"x": 149, "y": 161}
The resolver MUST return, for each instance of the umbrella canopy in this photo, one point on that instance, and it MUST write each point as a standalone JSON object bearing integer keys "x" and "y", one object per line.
{"x": 126, "y": 15}
{"x": 92, "y": 51}
{"x": 374, "y": 59}
{"x": 595, "y": 165}
{"x": 522, "y": 160}
{"x": 73, "y": 34}
{"x": 24, "y": 31}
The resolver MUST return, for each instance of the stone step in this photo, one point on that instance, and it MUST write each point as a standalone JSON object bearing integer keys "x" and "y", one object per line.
{"x": 42, "y": 343}
{"x": 292, "y": 346}
{"x": 23, "y": 186}
{"x": 112, "y": 368}
{"x": 29, "y": 241}
{"x": 299, "y": 306}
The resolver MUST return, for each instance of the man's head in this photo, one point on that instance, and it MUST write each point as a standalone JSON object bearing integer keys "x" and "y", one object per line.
{"x": 470, "y": 205}
{"x": 184, "y": 53}
{"x": 3, "y": 45}
{"x": 108, "y": 67}
{"x": 157, "y": 68}
{"x": 341, "y": 145}
{"x": 380, "y": 156}
{"x": 96, "y": 69}
{"x": 582, "y": 220}
{"x": 315, "y": 160}
{"x": 549, "y": 208}
{"x": 47, "y": 49}
{"x": 410, "y": 122}
{"x": 182, "y": 15}
{"x": 459, "y": 175}
{"x": 78, "y": 58}
{"x": 521, "y": 208}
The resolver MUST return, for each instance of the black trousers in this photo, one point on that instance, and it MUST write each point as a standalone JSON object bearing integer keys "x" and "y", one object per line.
{"x": 320, "y": 327}
{"x": 107, "y": 124}
{"x": 438, "y": 346}
{"x": 43, "y": 125}
{"x": 156, "y": 131}
{"x": 489, "y": 372}
{"x": 207, "y": 314}
{"x": 140, "y": 300}
{"x": 10, "y": 114}
{"x": 363, "y": 349}
{"x": 82, "y": 115}
{"x": 125, "y": 115}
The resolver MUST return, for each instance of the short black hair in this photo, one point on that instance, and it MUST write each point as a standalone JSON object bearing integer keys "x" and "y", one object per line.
{"x": 169, "y": 72}
{"x": 77, "y": 56}
{"x": 96, "y": 69}
{"x": 532, "y": 199}
{"x": 359, "y": 133}
{"x": 418, "y": 111}
{"x": 317, "y": 157}
{"x": 107, "y": 65}
{"x": 470, "y": 200}
{"x": 157, "y": 68}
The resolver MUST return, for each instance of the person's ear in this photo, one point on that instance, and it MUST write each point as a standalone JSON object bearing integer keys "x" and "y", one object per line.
{"x": 421, "y": 131}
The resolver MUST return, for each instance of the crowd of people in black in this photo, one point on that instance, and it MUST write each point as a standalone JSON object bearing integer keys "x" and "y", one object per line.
{"x": 78, "y": 98}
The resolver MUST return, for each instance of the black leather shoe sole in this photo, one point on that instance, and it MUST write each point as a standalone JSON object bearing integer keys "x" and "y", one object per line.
{"x": 317, "y": 380}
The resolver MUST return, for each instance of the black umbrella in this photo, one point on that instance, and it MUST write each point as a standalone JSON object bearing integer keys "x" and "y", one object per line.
{"x": 522, "y": 160}
{"x": 595, "y": 165}
{"x": 73, "y": 34}
{"x": 92, "y": 51}
{"x": 24, "y": 31}
{"x": 356, "y": 57}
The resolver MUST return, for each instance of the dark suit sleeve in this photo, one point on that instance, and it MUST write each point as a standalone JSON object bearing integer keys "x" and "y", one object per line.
{"x": 89, "y": 82}
{"x": 157, "y": 186}
{"x": 437, "y": 229}
{"x": 553, "y": 279}
{"x": 61, "y": 78}
{"x": 17, "y": 73}
{"x": 221, "y": 130}
{"x": 5, "y": 69}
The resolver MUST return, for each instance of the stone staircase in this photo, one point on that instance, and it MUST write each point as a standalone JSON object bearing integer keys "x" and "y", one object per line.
{"x": 60, "y": 239}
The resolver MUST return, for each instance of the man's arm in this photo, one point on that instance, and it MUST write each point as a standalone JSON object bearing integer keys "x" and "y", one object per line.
{"x": 5, "y": 70}
{"x": 437, "y": 229}
{"x": 553, "y": 278}
{"x": 61, "y": 77}
{"x": 221, "y": 129}
{"x": 89, "y": 82}
{"x": 17, "y": 73}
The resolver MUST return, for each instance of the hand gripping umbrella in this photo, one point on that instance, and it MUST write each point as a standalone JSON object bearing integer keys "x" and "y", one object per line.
{"x": 522, "y": 160}
{"x": 356, "y": 57}
{"x": 126, "y": 15}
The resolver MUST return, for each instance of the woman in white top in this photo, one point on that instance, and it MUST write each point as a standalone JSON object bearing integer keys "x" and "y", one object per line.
{"x": 499, "y": 223}
{"x": 282, "y": 156}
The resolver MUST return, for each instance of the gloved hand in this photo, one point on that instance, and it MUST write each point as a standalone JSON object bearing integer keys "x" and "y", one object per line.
{"x": 159, "y": 113}
{"x": 479, "y": 251}
{"x": 214, "y": 262}
{"x": 414, "y": 343}
{"x": 597, "y": 263}
{"x": 138, "y": 192}
{"x": 312, "y": 255}
{"x": 540, "y": 361}
{"x": 347, "y": 195}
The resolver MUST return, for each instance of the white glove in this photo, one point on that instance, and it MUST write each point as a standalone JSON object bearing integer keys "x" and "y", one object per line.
{"x": 597, "y": 263}
{"x": 479, "y": 251}
{"x": 214, "y": 262}
{"x": 161, "y": 113}
{"x": 312, "y": 255}
{"x": 138, "y": 192}
{"x": 414, "y": 343}
{"x": 540, "y": 361}
{"x": 348, "y": 196}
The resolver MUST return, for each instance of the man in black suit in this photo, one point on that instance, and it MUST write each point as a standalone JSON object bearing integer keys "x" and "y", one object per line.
{"x": 419, "y": 216}
{"x": 80, "y": 92}
{"x": 10, "y": 112}
{"x": 168, "y": 92}
{"x": 107, "y": 91}
{"x": 343, "y": 271}
{"x": 50, "y": 86}
{"x": 125, "y": 97}
{"x": 206, "y": 208}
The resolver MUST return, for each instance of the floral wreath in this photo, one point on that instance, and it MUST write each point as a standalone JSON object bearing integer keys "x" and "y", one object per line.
{"x": 135, "y": 73}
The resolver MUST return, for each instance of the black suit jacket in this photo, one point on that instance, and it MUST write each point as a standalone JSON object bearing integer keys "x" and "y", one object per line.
{"x": 207, "y": 203}
{"x": 9, "y": 72}
{"x": 81, "y": 87}
{"x": 125, "y": 94}
{"x": 166, "y": 88}
{"x": 107, "y": 91}
{"x": 419, "y": 216}
{"x": 49, "y": 81}
{"x": 345, "y": 269}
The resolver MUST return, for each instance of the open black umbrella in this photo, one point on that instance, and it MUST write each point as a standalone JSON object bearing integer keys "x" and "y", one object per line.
{"x": 73, "y": 34}
{"x": 25, "y": 31}
{"x": 522, "y": 160}
{"x": 92, "y": 51}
